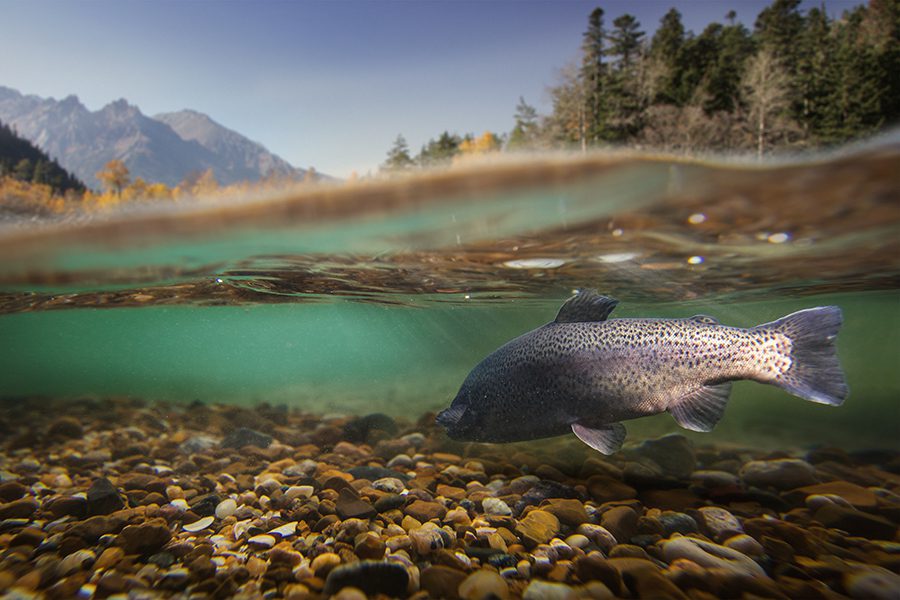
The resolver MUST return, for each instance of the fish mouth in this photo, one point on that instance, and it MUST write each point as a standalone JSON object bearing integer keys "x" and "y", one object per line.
{"x": 449, "y": 417}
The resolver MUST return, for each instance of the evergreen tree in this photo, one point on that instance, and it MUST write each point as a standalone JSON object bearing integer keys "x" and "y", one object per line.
{"x": 440, "y": 151}
{"x": 592, "y": 80}
{"x": 666, "y": 54}
{"x": 525, "y": 132}
{"x": 622, "y": 96}
{"x": 23, "y": 161}
{"x": 398, "y": 159}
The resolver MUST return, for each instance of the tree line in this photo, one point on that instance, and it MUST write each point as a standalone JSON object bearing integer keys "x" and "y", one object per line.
{"x": 22, "y": 161}
{"x": 797, "y": 80}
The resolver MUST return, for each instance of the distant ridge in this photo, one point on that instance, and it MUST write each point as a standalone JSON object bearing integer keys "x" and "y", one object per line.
{"x": 163, "y": 149}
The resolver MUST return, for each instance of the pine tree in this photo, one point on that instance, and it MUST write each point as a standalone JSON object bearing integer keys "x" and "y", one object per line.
{"x": 440, "y": 151}
{"x": 592, "y": 81}
{"x": 525, "y": 132}
{"x": 666, "y": 54}
{"x": 622, "y": 97}
{"x": 398, "y": 159}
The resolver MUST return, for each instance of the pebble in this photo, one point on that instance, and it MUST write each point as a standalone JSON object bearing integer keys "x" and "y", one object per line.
{"x": 324, "y": 563}
{"x": 546, "y": 590}
{"x": 782, "y": 473}
{"x": 872, "y": 583}
{"x": 441, "y": 581}
{"x": 495, "y": 506}
{"x": 391, "y": 485}
{"x": 226, "y": 508}
{"x": 424, "y": 511}
{"x": 198, "y": 525}
{"x": 18, "y": 509}
{"x": 349, "y": 506}
{"x": 712, "y": 479}
{"x": 570, "y": 512}
{"x": 538, "y": 527}
{"x": 621, "y": 521}
{"x": 599, "y": 535}
{"x": 719, "y": 523}
{"x": 286, "y": 530}
{"x": 145, "y": 538}
{"x": 103, "y": 497}
{"x": 745, "y": 544}
{"x": 263, "y": 540}
{"x": 484, "y": 585}
{"x": 710, "y": 555}
{"x": 856, "y": 522}
{"x": 76, "y": 561}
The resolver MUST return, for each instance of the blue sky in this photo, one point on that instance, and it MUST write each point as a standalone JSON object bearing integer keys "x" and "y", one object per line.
{"x": 328, "y": 84}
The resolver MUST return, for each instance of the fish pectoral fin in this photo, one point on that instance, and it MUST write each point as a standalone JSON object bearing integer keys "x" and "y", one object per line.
{"x": 585, "y": 306}
{"x": 606, "y": 439}
{"x": 701, "y": 409}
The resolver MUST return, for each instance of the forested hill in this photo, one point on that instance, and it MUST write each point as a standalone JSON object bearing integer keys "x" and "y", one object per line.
{"x": 21, "y": 160}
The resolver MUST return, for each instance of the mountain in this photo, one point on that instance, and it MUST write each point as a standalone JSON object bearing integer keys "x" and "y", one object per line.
{"x": 164, "y": 149}
{"x": 22, "y": 160}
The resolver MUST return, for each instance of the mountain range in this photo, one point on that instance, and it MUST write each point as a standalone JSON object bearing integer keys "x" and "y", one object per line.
{"x": 165, "y": 148}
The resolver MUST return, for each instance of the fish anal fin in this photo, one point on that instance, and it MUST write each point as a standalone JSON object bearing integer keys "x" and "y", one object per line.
{"x": 606, "y": 439}
{"x": 585, "y": 306}
{"x": 702, "y": 408}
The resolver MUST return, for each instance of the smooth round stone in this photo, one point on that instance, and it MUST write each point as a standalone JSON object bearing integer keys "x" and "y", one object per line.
{"x": 577, "y": 540}
{"x": 873, "y": 583}
{"x": 676, "y": 522}
{"x": 226, "y": 508}
{"x": 80, "y": 559}
{"x": 745, "y": 544}
{"x": 781, "y": 473}
{"x": 538, "y": 527}
{"x": 816, "y": 501}
{"x": 483, "y": 585}
{"x": 710, "y": 555}
{"x": 263, "y": 540}
{"x": 286, "y": 530}
{"x": 180, "y": 504}
{"x": 495, "y": 506}
{"x": 299, "y": 491}
{"x": 324, "y": 563}
{"x": 719, "y": 522}
{"x": 546, "y": 590}
{"x": 199, "y": 524}
{"x": 599, "y": 535}
{"x": 391, "y": 485}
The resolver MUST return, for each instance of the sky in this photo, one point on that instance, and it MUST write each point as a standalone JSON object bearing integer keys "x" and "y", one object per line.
{"x": 328, "y": 84}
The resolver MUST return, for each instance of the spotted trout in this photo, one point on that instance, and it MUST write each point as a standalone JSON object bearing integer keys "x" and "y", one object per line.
{"x": 586, "y": 373}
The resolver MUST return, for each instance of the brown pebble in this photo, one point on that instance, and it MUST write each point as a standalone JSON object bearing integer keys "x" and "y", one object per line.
{"x": 145, "y": 538}
{"x": 350, "y": 506}
{"x": 569, "y": 512}
{"x": 65, "y": 428}
{"x": 423, "y": 511}
{"x": 12, "y": 490}
{"x": 29, "y": 536}
{"x": 538, "y": 527}
{"x": 67, "y": 506}
{"x": 621, "y": 521}
{"x": 593, "y": 567}
{"x": 856, "y": 522}
{"x": 18, "y": 509}
{"x": 369, "y": 546}
{"x": 109, "y": 558}
{"x": 441, "y": 581}
{"x": 324, "y": 563}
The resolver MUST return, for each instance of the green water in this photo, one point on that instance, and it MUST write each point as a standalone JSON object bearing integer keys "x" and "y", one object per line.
{"x": 388, "y": 311}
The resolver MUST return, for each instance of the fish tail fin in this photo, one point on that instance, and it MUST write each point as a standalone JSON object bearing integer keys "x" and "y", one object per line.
{"x": 814, "y": 373}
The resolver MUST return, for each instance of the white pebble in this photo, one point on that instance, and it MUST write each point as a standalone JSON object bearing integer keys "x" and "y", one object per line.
{"x": 199, "y": 524}
{"x": 299, "y": 491}
{"x": 265, "y": 540}
{"x": 286, "y": 530}
{"x": 226, "y": 508}
{"x": 495, "y": 506}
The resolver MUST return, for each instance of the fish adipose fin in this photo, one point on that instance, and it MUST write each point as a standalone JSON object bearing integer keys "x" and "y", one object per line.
{"x": 701, "y": 409}
{"x": 815, "y": 373}
{"x": 586, "y": 306}
{"x": 606, "y": 439}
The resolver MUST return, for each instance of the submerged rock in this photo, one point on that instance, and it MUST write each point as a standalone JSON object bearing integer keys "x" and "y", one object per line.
{"x": 244, "y": 436}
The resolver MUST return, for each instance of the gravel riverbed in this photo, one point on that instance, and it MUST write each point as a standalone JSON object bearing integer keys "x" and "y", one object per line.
{"x": 120, "y": 498}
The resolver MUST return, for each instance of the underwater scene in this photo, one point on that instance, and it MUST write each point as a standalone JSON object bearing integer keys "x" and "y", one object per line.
{"x": 239, "y": 398}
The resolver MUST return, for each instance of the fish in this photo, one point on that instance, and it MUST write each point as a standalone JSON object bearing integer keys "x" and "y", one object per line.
{"x": 585, "y": 373}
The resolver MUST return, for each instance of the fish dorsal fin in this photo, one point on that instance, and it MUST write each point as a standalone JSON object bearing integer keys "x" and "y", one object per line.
{"x": 606, "y": 439}
{"x": 585, "y": 306}
{"x": 706, "y": 319}
{"x": 701, "y": 409}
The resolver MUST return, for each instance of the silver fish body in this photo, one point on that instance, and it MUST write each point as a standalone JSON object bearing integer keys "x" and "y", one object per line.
{"x": 586, "y": 373}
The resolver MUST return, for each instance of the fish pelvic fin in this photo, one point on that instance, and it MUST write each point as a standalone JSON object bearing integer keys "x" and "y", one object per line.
{"x": 701, "y": 409}
{"x": 606, "y": 439}
{"x": 585, "y": 306}
{"x": 815, "y": 373}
